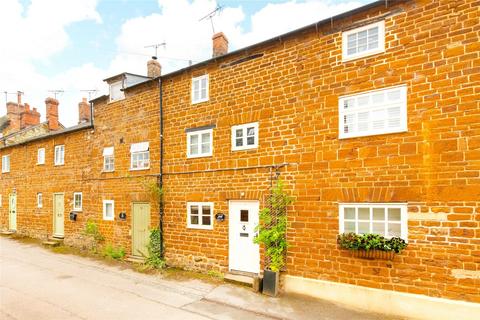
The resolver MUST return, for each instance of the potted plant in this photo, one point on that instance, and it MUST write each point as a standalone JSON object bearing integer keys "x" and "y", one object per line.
{"x": 371, "y": 246}
{"x": 271, "y": 233}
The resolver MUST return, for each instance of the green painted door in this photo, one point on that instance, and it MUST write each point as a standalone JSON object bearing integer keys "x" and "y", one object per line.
{"x": 140, "y": 229}
{"x": 58, "y": 215}
{"x": 12, "y": 212}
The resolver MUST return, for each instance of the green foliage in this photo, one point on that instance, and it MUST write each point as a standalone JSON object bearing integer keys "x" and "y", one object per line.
{"x": 154, "y": 190}
{"x": 154, "y": 259}
{"x": 91, "y": 229}
{"x": 215, "y": 274}
{"x": 273, "y": 227}
{"x": 353, "y": 241}
{"x": 114, "y": 252}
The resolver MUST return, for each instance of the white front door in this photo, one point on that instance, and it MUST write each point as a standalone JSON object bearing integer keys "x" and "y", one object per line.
{"x": 244, "y": 255}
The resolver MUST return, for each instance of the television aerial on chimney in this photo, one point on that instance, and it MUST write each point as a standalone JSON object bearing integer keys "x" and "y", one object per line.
{"x": 210, "y": 16}
{"x": 156, "y": 46}
{"x": 90, "y": 92}
{"x": 56, "y": 92}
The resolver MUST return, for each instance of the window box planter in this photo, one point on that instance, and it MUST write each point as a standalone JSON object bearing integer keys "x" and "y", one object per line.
{"x": 271, "y": 282}
{"x": 373, "y": 254}
{"x": 371, "y": 246}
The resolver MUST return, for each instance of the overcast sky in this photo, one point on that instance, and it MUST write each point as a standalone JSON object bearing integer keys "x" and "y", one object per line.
{"x": 72, "y": 45}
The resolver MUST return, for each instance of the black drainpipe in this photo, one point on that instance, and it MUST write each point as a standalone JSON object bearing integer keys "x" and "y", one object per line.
{"x": 91, "y": 113}
{"x": 160, "y": 178}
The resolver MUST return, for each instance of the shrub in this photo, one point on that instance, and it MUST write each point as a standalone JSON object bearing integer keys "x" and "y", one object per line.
{"x": 353, "y": 241}
{"x": 154, "y": 259}
{"x": 91, "y": 229}
{"x": 114, "y": 252}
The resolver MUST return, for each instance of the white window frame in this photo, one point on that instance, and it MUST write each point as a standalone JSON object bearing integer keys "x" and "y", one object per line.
{"x": 143, "y": 148}
{"x": 105, "y": 202}
{"x": 199, "y": 149}
{"x": 342, "y": 112}
{"x": 40, "y": 156}
{"x": 108, "y": 156}
{"x": 381, "y": 41}
{"x": 39, "y": 200}
{"x": 244, "y": 127}
{"x": 122, "y": 93}
{"x": 61, "y": 161}
{"x": 75, "y": 207}
{"x": 403, "y": 217}
{"x": 199, "y": 79}
{"x": 200, "y": 215}
{"x": 6, "y": 163}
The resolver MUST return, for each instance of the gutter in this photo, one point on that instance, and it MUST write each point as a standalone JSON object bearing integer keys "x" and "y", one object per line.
{"x": 282, "y": 37}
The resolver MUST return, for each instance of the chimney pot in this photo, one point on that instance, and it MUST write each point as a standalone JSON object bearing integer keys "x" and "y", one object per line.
{"x": 154, "y": 69}
{"x": 220, "y": 44}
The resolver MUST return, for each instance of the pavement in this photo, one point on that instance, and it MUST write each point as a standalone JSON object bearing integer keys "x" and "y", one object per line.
{"x": 36, "y": 283}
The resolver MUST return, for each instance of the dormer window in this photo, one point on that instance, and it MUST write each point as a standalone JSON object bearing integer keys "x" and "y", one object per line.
{"x": 116, "y": 92}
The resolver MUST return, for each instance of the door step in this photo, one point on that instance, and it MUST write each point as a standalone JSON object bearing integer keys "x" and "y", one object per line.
{"x": 135, "y": 259}
{"x": 7, "y": 233}
{"x": 241, "y": 279}
{"x": 53, "y": 242}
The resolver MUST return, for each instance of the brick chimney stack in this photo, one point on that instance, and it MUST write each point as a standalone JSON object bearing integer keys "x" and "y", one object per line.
{"x": 51, "y": 105}
{"x": 29, "y": 117}
{"x": 220, "y": 44}
{"x": 84, "y": 113}
{"x": 14, "y": 115}
{"x": 154, "y": 69}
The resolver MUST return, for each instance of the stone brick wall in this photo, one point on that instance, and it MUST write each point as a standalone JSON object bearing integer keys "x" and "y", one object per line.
{"x": 291, "y": 87}
{"x": 119, "y": 124}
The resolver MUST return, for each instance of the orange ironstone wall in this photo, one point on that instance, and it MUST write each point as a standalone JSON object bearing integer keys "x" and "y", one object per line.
{"x": 292, "y": 91}
{"x": 432, "y": 47}
{"x": 118, "y": 124}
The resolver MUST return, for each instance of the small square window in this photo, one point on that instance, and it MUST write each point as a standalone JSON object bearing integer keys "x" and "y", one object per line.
{"x": 199, "y": 143}
{"x": 140, "y": 156}
{"x": 108, "y": 210}
{"x": 200, "y": 89}
{"x": 363, "y": 41}
{"x": 200, "y": 215}
{"x": 245, "y": 136}
{"x": 77, "y": 201}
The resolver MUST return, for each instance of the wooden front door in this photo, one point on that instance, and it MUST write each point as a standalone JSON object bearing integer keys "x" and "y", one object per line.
{"x": 12, "y": 212}
{"x": 58, "y": 215}
{"x": 140, "y": 229}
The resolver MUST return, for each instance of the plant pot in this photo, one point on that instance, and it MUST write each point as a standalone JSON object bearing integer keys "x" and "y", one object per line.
{"x": 374, "y": 254}
{"x": 271, "y": 283}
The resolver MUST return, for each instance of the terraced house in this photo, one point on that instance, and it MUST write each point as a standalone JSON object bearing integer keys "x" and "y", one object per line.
{"x": 371, "y": 118}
